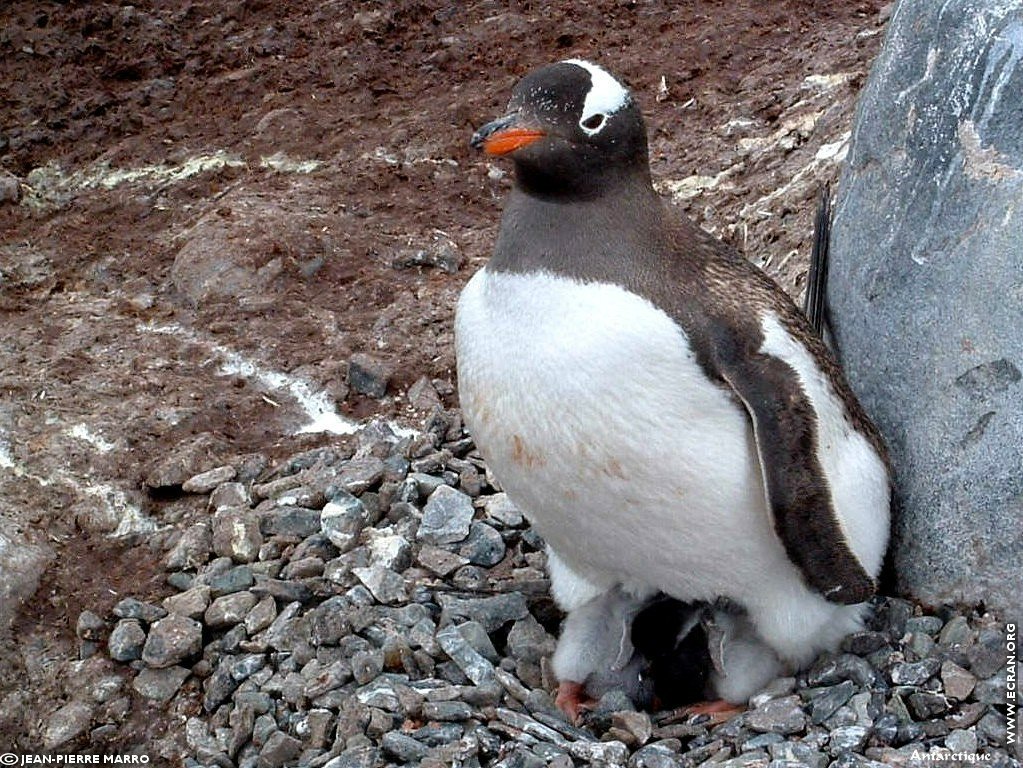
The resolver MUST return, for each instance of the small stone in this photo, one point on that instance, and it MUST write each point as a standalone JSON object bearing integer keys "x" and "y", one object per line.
{"x": 988, "y": 654}
{"x": 862, "y": 643}
{"x": 126, "y": 640}
{"x": 914, "y": 673}
{"x": 477, "y": 637}
{"x": 843, "y": 667}
{"x": 367, "y": 666}
{"x": 446, "y": 517}
{"x": 992, "y": 690}
{"x": 957, "y": 682}
{"x": 439, "y": 561}
{"x": 848, "y": 738}
{"x": 130, "y": 608}
{"x": 90, "y": 626}
{"x": 261, "y": 616}
{"x": 451, "y": 711}
{"x": 192, "y": 549}
{"x": 474, "y": 665}
{"x": 368, "y": 375}
{"x": 528, "y": 640}
{"x": 962, "y": 742}
{"x": 956, "y": 632}
{"x": 303, "y": 568}
{"x": 387, "y": 586}
{"x": 403, "y": 748}
{"x": 636, "y": 725}
{"x": 229, "y": 495}
{"x": 191, "y": 603}
{"x": 10, "y": 188}
{"x": 66, "y": 724}
{"x": 228, "y": 610}
{"x": 483, "y": 546}
{"x": 925, "y": 706}
{"x": 236, "y": 534}
{"x": 886, "y": 728}
{"x": 391, "y": 552}
{"x": 501, "y": 509}
{"x": 652, "y": 756}
{"x": 297, "y": 522}
{"x": 232, "y": 580}
{"x": 825, "y": 704}
{"x": 776, "y": 689}
{"x": 280, "y": 749}
{"x": 492, "y": 612}
{"x": 599, "y": 752}
{"x": 160, "y": 685}
{"x": 171, "y": 640}
{"x": 783, "y": 716}
{"x": 359, "y": 474}
{"x": 929, "y": 625}
{"x": 206, "y": 481}
{"x": 379, "y": 693}
{"x": 283, "y": 590}
{"x": 342, "y": 520}
{"x": 920, "y": 645}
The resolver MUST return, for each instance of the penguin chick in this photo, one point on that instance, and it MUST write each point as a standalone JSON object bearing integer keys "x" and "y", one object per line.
{"x": 595, "y": 653}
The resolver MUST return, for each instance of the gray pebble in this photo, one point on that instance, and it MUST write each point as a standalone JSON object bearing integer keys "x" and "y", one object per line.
{"x": 130, "y": 608}
{"x": 446, "y": 517}
{"x": 228, "y": 610}
{"x": 386, "y": 586}
{"x": 929, "y": 625}
{"x": 232, "y": 580}
{"x": 191, "y": 603}
{"x": 236, "y": 534}
{"x": 229, "y": 495}
{"x": 492, "y": 612}
{"x": 654, "y": 756}
{"x": 359, "y": 475}
{"x": 914, "y": 673}
{"x": 261, "y": 615}
{"x": 988, "y": 655}
{"x": 962, "y": 742}
{"x": 90, "y": 626}
{"x": 367, "y": 665}
{"x": 925, "y": 706}
{"x": 862, "y": 643}
{"x": 160, "y": 685}
{"x": 992, "y": 690}
{"x": 206, "y": 481}
{"x": 440, "y": 561}
{"x": 343, "y": 519}
{"x": 797, "y": 752}
{"x": 956, "y": 632}
{"x": 171, "y": 640}
{"x": 192, "y": 549}
{"x": 844, "y": 667}
{"x": 390, "y": 551}
{"x": 450, "y": 711}
{"x": 849, "y": 738}
{"x": 402, "y": 747}
{"x": 475, "y": 666}
{"x": 66, "y": 724}
{"x": 957, "y": 682}
{"x": 483, "y": 546}
{"x": 126, "y": 640}
{"x": 283, "y": 590}
{"x": 297, "y": 522}
{"x": 280, "y": 749}
{"x": 778, "y": 716}
{"x": 825, "y": 704}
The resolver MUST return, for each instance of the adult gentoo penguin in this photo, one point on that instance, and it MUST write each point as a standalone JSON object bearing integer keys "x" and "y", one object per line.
{"x": 657, "y": 406}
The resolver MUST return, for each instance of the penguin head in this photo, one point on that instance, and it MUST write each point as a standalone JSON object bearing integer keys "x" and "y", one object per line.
{"x": 571, "y": 128}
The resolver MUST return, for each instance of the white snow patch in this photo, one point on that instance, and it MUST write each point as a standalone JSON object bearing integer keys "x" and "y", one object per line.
{"x": 319, "y": 409}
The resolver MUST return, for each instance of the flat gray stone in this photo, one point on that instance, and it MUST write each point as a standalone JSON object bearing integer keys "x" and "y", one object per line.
{"x": 160, "y": 685}
{"x": 228, "y": 610}
{"x": 171, "y": 640}
{"x": 447, "y": 517}
{"x": 236, "y": 534}
{"x": 783, "y": 716}
{"x": 67, "y": 723}
{"x": 126, "y": 640}
{"x": 206, "y": 481}
{"x": 924, "y": 289}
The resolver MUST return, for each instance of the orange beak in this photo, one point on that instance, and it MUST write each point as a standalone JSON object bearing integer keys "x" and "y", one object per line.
{"x": 503, "y": 136}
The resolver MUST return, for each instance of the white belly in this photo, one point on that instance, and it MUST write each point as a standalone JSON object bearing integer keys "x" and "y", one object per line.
{"x": 588, "y": 404}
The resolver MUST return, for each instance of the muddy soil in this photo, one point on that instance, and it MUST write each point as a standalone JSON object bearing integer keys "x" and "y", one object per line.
{"x": 219, "y": 203}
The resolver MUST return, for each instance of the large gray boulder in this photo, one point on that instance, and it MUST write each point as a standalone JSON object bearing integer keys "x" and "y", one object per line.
{"x": 926, "y": 291}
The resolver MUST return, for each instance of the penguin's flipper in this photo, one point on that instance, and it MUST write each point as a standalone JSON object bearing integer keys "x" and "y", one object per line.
{"x": 815, "y": 305}
{"x": 796, "y": 488}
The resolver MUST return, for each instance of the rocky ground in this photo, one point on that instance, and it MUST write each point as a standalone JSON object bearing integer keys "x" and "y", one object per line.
{"x": 379, "y": 601}
{"x": 230, "y": 226}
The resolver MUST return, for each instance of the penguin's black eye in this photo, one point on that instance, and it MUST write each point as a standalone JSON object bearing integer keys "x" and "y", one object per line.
{"x": 593, "y": 122}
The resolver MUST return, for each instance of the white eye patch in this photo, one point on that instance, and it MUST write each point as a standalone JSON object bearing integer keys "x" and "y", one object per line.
{"x": 605, "y": 97}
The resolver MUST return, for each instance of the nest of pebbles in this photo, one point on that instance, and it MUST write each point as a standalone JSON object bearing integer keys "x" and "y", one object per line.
{"x": 381, "y": 602}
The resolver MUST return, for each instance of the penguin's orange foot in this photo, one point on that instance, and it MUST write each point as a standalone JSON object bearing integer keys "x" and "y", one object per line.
{"x": 572, "y": 699}
{"x": 718, "y": 711}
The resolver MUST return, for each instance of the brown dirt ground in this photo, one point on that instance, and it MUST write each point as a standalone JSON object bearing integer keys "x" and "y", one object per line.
{"x": 127, "y": 301}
